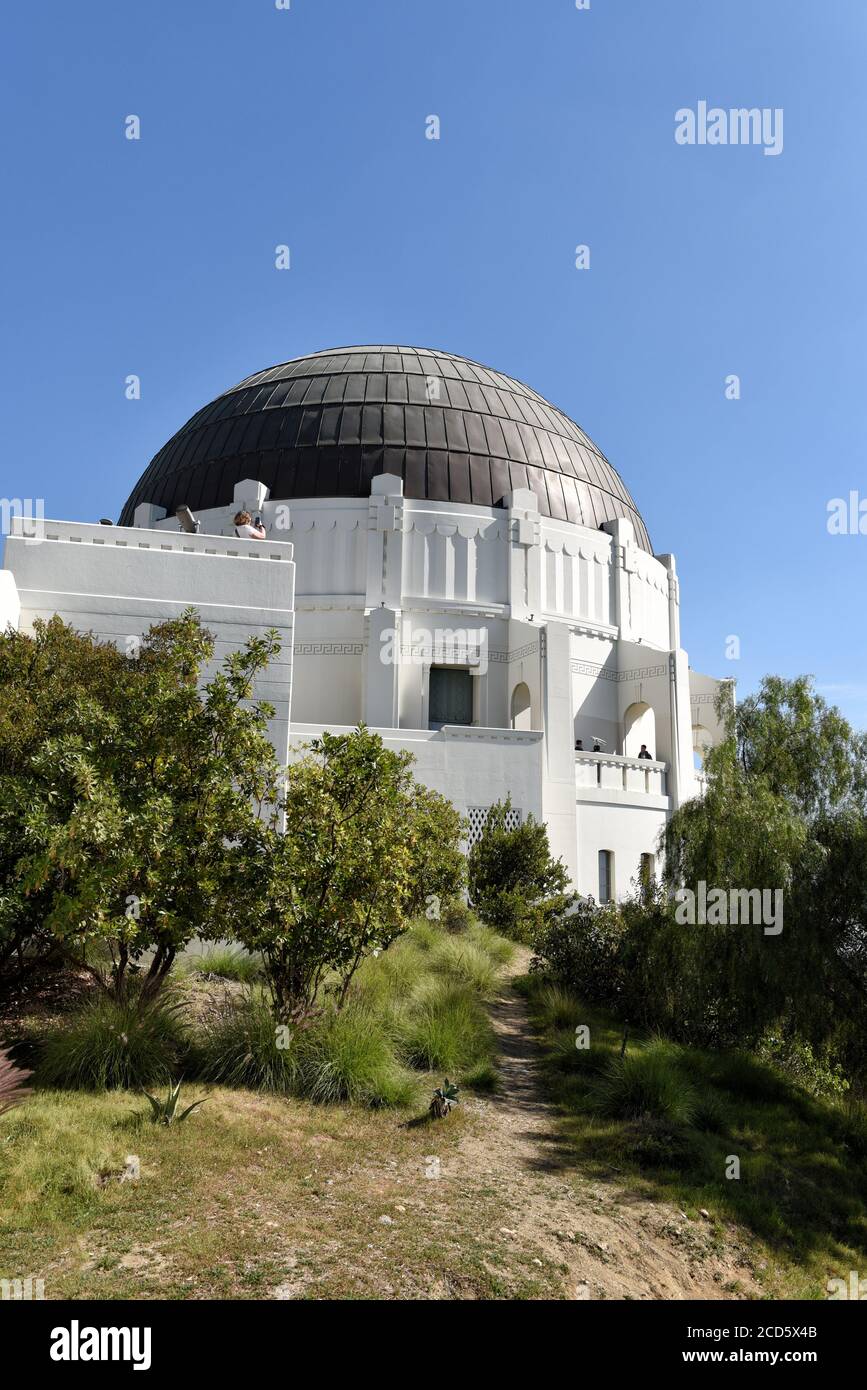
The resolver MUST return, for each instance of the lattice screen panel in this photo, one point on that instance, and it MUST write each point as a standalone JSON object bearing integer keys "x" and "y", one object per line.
{"x": 477, "y": 815}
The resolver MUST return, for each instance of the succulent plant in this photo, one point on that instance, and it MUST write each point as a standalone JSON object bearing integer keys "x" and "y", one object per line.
{"x": 165, "y": 1112}
{"x": 444, "y": 1097}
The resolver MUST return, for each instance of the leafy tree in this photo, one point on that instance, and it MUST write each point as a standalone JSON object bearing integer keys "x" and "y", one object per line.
{"x": 363, "y": 848}
{"x": 515, "y": 885}
{"x": 125, "y": 793}
{"x": 54, "y": 684}
{"x": 802, "y": 749}
{"x": 784, "y": 809}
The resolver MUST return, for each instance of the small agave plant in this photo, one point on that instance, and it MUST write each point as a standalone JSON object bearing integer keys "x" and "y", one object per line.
{"x": 165, "y": 1112}
{"x": 444, "y": 1097}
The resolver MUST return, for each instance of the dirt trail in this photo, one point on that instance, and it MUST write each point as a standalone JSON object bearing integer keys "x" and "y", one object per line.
{"x": 613, "y": 1243}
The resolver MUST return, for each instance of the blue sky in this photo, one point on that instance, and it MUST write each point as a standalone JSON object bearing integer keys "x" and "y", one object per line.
{"x": 262, "y": 126}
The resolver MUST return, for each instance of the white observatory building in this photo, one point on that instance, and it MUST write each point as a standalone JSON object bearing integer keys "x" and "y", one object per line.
{"x": 448, "y": 559}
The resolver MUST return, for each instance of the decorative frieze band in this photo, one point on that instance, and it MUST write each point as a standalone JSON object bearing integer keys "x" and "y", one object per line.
{"x": 590, "y": 668}
{"x": 328, "y": 649}
{"x": 517, "y": 655}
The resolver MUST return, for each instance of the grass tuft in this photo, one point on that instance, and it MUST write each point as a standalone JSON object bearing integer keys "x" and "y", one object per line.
{"x": 107, "y": 1045}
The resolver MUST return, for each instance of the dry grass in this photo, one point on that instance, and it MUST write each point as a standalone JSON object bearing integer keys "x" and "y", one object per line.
{"x": 253, "y": 1197}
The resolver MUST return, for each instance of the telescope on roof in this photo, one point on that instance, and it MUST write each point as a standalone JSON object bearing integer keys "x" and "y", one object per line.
{"x": 187, "y": 521}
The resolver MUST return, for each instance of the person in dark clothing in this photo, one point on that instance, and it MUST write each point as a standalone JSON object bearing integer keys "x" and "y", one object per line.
{"x": 579, "y": 745}
{"x": 643, "y": 753}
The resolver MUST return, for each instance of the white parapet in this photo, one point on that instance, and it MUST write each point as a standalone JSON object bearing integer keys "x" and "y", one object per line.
{"x": 118, "y": 581}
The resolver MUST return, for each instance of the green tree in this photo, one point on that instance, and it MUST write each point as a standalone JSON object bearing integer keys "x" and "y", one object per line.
{"x": 355, "y": 847}
{"x": 784, "y": 809}
{"x": 515, "y": 884}
{"x": 53, "y": 685}
{"x": 133, "y": 782}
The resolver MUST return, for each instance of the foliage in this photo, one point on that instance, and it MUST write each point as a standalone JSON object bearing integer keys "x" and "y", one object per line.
{"x": 784, "y": 809}
{"x": 13, "y": 1083}
{"x": 668, "y": 1117}
{"x": 514, "y": 883}
{"x": 124, "y": 783}
{"x": 444, "y": 1097}
{"x": 52, "y": 685}
{"x": 348, "y": 1056}
{"x": 239, "y": 1044}
{"x": 165, "y": 1112}
{"x": 414, "y": 1006}
{"x": 443, "y": 1027}
{"x": 364, "y": 846}
{"x": 112, "y": 1043}
{"x": 581, "y": 950}
{"x": 647, "y": 1081}
{"x": 226, "y": 963}
{"x": 456, "y": 915}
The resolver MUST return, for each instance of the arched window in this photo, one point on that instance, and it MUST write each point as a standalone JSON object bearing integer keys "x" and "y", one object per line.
{"x": 521, "y": 714}
{"x": 702, "y": 739}
{"x": 639, "y": 726}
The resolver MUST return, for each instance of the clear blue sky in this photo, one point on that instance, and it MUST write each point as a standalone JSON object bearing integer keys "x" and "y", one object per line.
{"x": 306, "y": 127}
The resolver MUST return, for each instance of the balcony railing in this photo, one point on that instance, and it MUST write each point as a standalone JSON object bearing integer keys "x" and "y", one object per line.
{"x": 614, "y": 772}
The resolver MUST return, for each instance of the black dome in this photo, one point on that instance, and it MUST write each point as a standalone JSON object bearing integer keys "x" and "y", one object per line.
{"x": 324, "y": 425}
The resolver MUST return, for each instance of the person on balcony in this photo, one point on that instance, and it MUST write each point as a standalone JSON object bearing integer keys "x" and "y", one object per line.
{"x": 579, "y": 745}
{"x": 249, "y": 529}
{"x": 643, "y": 753}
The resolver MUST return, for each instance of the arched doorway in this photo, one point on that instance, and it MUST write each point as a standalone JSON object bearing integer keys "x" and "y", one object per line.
{"x": 639, "y": 726}
{"x": 521, "y": 713}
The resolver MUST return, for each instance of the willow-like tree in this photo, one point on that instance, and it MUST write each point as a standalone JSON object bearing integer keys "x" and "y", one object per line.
{"x": 784, "y": 808}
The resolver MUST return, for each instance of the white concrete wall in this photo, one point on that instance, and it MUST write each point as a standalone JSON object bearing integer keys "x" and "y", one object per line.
{"x": 10, "y": 603}
{"x": 472, "y": 767}
{"x": 627, "y": 830}
{"x": 116, "y": 582}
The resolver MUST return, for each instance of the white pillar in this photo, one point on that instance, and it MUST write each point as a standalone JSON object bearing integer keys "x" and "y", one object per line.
{"x": 382, "y": 634}
{"x": 622, "y": 568}
{"x": 525, "y": 555}
{"x": 385, "y": 542}
{"x": 558, "y": 771}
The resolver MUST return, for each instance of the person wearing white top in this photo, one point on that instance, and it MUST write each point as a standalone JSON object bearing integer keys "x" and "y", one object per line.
{"x": 248, "y": 528}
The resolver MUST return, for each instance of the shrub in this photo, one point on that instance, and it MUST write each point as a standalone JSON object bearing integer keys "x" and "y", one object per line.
{"x": 447, "y": 1029}
{"x": 647, "y": 1082}
{"x": 238, "y": 1047}
{"x": 745, "y": 1076}
{"x": 818, "y": 1074}
{"x": 344, "y": 1056}
{"x": 581, "y": 950}
{"x": 457, "y": 916}
{"x": 467, "y": 963}
{"x": 557, "y": 1008}
{"x": 347, "y": 1056}
{"x": 109, "y": 1044}
{"x": 514, "y": 882}
{"x": 851, "y": 1127}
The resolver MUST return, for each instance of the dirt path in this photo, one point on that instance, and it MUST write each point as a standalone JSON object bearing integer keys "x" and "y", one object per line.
{"x": 609, "y": 1242}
